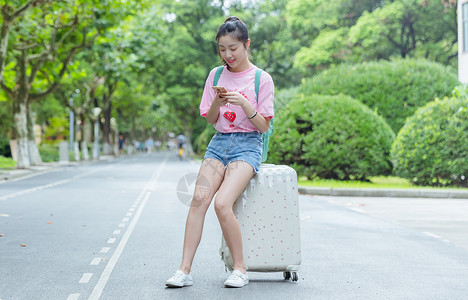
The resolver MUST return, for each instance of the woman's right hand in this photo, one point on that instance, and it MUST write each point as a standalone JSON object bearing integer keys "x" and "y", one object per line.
{"x": 219, "y": 100}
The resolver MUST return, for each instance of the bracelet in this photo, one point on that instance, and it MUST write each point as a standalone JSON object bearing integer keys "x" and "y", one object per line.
{"x": 253, "y": 116}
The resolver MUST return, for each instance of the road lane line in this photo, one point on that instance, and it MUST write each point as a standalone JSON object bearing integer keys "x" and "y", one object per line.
{"x": 97, "y": 291}
{"x": 111, "y": 240}
{"x": 129, "y": 214}
{"x": 121, "y": 225}
{"x": 104, "y": 250}
{"x": 96, "y": 261}
{"x": 73, "y": 297}
{"x": 85, "y": 278}
{"x": 117, "y": 231}
{"x": 432, "y": 235}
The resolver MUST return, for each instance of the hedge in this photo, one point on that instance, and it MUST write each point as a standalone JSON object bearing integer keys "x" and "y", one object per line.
{"x": 432, "y": 147}
{"x": 335, "y": 137}
{"x": 395, "y": 89}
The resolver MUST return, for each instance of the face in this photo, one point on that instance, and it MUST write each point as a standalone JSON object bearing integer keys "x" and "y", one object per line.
{"x": 234, "y": 53}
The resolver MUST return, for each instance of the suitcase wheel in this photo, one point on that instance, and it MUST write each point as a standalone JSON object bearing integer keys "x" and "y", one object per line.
{"x": 294, "y": 276}
{"x": 290, "y": 275}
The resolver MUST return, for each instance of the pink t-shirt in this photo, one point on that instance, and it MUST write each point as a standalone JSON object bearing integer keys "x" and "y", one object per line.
{"x": 232, "y": 118}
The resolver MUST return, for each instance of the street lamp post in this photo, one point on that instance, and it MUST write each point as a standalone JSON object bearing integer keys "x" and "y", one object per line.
{"x": 96, "y": 112}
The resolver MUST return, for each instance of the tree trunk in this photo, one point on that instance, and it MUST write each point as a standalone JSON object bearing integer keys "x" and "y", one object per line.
{"x": 4, "y": 36}
{"x": 21, "y": 126}
{"x": 34, "y": 155}
{"x": 106, "y": 132}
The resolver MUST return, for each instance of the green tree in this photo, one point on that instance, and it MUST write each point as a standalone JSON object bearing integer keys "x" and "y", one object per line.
{"x": 10, "y": 12}
{"x": 415, "y": 28}
{"x": 346, "y": 31}
{"x": 45, "y": 43}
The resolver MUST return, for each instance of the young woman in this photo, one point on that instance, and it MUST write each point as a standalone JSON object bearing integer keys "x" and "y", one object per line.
{"x": 235, "y": 151}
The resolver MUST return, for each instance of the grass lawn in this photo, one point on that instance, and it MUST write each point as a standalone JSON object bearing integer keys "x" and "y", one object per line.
{"x": 376, "y": 182}
{"x": 6, "y": 163}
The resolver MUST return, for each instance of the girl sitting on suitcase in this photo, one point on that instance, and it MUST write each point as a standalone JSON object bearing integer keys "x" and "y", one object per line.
{"x": 235, "y": 151}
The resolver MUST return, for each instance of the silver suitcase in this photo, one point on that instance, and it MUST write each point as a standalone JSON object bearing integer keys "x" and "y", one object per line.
{"x": 268, "y": 216}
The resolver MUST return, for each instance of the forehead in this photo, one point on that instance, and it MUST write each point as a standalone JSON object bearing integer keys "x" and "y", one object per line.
{"x": 226, "y": 41}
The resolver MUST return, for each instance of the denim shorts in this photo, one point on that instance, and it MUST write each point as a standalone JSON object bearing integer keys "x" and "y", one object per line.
{"x": 235, "y": 146}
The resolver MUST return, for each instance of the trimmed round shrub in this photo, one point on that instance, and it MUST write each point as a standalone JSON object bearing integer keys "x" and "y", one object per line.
{"x": 432, "y": 147}
{"x": 395, "y": 89}
{"x": 334, "y": 137}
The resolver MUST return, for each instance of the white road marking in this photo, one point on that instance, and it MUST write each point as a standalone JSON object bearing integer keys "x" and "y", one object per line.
{"x": 104, "y": 250}
{"x": 125, "y": 219}
{"x": 432, "y": 235}
{"x": 121, "y": 225}
{"x": 96, "y": 261}
{"x": 97, "y": 291}
{"x": 132, "y": 209}
{"x": 85, "y": 278}
{"x": 358, "y": 210}
{"x": 129, "y": 214}
{"x": 111, "y": 240}
{"x": 73, "y": 297}
{"x": 117, "y": 231}
{"x": 45, "y": 186}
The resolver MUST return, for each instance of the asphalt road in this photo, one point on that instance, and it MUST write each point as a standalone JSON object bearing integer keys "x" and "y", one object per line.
{"x": 114, "y": 230}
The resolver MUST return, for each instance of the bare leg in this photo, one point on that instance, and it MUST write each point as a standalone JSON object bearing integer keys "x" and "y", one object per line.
{"x": 209, "y": 179}
{"x": 238, "y": 175}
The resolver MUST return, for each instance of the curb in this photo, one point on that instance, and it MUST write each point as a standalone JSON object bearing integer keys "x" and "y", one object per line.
{"x": 369, "y": 192}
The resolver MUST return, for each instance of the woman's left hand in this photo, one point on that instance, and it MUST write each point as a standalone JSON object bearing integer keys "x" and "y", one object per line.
{"x": 235, "y": 98}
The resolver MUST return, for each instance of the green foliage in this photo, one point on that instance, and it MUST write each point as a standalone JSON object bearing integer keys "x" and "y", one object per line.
{"x": 58, "y": 128}
{"x": 283, "y": 97}
{"x": 460, "y": 91}
{"x": 431, "y": 149}
{"x": 6, "y": 117}
{"x": 49, "y": 152}
{"x": 354, "y": 31}
{"x": 325, "y": 50}
{"x": 7, "y": 162}
{"x": 395, "y": 89}
{"x": 202, "y": 141}
{"x": 334, "y": 137}
{"x": 407, "y": 28}
{"x": 5, "y": 146}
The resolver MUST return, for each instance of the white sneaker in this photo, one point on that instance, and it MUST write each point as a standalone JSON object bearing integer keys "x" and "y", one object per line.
{"x": 180, "y": 279}
{"x": 237, "y": 279}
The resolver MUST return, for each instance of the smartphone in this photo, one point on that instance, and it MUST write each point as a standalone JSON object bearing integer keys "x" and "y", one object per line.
{"x": 219, "y": 89}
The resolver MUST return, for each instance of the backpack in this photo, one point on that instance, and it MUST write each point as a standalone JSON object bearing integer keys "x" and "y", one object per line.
{"x": 266, "y": 135}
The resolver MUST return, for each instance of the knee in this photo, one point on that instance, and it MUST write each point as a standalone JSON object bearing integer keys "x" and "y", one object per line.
{"x": 222, "y": 209}
{"x": 200, "y": 203}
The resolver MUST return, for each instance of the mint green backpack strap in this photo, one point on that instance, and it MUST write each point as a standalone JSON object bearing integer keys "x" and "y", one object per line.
{"x": 258, "y": 73}
{"x": 219, "y": 70}
{"x": 266, "y": 135}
